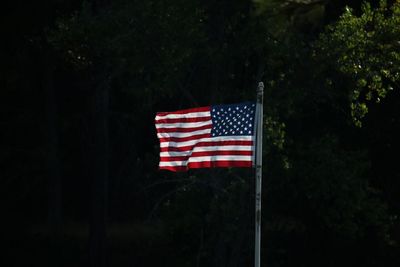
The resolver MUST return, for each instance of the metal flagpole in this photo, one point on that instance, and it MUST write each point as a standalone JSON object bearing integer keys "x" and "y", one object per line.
{"x": 259, "y": 124}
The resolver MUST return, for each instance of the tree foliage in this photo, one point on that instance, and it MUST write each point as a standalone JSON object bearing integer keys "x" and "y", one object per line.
{"x": 365, "y": 50}
{"x": 329, "y": 188}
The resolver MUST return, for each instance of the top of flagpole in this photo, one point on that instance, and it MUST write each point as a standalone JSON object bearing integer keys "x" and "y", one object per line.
{"x": 260, "y": 91}
{"x": 260, "y": 86}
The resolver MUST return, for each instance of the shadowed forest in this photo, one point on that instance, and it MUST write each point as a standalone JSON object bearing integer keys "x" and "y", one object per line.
{"x": 81, "y": 82}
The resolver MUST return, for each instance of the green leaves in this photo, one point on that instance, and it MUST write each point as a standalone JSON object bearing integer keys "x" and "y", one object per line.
{"x": 366, "y": 50}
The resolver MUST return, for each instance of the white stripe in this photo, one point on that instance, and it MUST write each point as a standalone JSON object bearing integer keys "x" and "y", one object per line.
{"x": 218, "y": 158}
{"x": 206, "y": 149}
{"x": 185, "y": 115}
{"x": 172, "y": 163}
{"x": 205, "y": 159}
{"x": 165, "y": 135}
{"x": 183, "y": 124}
{"x": 212, "y": 139}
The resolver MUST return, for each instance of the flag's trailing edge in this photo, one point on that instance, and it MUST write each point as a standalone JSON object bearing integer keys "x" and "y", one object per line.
{"x": 213, "y": 136}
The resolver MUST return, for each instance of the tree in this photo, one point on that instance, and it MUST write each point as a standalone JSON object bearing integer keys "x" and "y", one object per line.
{"x": 331, "y": 192}
{"x": 365, "y": 50}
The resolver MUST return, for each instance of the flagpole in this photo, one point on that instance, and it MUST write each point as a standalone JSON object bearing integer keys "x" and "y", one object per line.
{"x": 259, "y": 133}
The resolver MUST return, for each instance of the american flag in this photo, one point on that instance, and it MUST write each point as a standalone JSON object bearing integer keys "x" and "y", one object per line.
{"x": 213, "y": 136}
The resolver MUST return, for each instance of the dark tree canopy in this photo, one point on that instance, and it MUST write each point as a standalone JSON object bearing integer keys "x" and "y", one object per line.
{"x": 81, "y": 82}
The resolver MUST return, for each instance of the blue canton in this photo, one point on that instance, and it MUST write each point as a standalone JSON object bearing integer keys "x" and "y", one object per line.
{"x": 235, "y": 119}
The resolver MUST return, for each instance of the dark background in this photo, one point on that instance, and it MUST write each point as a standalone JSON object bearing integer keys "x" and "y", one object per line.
{"x": 81, "y": 81}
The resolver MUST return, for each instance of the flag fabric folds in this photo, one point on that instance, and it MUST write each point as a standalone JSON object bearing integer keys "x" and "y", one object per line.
{"x": 213, "y": 136}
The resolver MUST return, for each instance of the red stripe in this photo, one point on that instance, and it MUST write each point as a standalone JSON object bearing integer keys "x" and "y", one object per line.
{"x": 183, "y": 111}
{"x": 183, "y": 130}
{"x": 222, "y": 163}
{"x": 207, "y": 153}
{"x": 184, "y": 139}
{"x": 203, "y": 144}
{"x": 208, "y": 164}
{"x": 183, "y": 120}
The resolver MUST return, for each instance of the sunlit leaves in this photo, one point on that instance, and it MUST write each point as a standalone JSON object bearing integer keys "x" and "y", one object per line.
{"x": 365, "y": 49}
